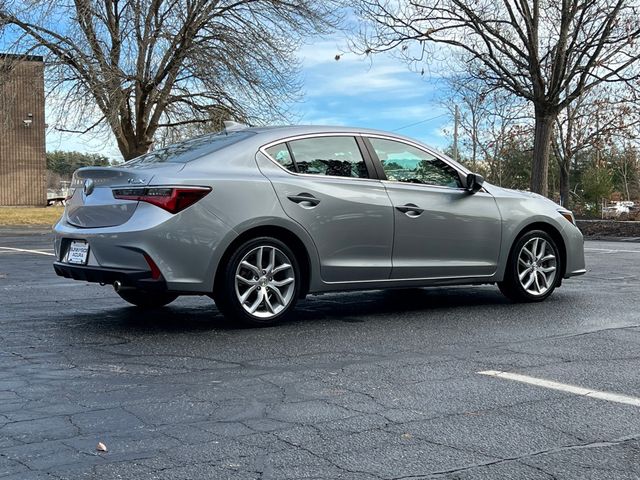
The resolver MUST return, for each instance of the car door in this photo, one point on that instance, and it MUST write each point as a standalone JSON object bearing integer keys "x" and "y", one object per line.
{"x": 441, "y": 230}
{"x": 324, "y": 183}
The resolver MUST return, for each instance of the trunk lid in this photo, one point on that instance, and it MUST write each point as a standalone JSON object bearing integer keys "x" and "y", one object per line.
{"x": 92, "y": 204}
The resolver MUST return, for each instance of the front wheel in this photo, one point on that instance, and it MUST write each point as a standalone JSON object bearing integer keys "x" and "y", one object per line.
{"x": 143, "y": 299}
{"x": 260, "y": 283}
{"x": 533, "y": 268}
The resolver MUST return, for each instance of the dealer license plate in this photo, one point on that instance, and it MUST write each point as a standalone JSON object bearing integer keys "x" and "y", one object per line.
{"x": 78, "y": 252}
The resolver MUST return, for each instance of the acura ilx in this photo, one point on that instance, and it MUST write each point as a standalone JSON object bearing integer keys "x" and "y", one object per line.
{"x": 258, "y": 218}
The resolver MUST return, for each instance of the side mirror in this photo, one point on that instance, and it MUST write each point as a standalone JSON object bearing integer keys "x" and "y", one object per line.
{"x": 474, "y": 182}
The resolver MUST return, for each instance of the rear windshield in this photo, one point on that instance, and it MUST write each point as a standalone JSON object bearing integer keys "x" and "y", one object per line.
{"x": 188, "y": 150}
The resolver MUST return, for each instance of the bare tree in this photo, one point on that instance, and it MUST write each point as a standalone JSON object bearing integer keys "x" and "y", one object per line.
{"x": 488, "y": 119}
{"x": 548, "y": 52}
{"x": 604, "y": 116}
{"x": 136, "y": 66}
{"x": 627, "y": 168}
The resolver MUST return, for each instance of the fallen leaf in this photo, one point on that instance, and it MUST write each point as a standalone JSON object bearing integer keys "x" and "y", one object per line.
{"x": 101, "y": 447}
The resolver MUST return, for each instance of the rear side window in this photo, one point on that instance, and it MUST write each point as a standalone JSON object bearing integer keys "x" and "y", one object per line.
{"x": 280, "y": 153}
{"x": 331, "y": 156}
{"x": 188, "y": 150}
{"x": 404, "y": 163}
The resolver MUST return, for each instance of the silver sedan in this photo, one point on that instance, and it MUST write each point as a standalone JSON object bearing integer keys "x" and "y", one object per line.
{"x": 258, "y": 218}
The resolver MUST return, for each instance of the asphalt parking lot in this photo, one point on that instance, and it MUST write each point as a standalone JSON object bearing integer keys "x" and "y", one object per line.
{"x": 375, "y": 385}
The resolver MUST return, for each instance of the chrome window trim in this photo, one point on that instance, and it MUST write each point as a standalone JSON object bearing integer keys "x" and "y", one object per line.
{"x": 436, "y": 154}
{"x": 423, "y": 185}
{"x": 263, "y": 150}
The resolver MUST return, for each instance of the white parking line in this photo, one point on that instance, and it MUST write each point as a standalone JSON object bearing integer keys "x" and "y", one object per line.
{"x": 610, "y": 250}
{"x": 24, "y": 250}
{"x": 564, "y": 387}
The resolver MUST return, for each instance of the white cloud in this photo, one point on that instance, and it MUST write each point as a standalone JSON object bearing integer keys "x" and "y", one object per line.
{"x": 412, "y": 112}
{"x": 386, "y": 77}
{"x": 358, "y": 76}
{"x": 324, "y": 52}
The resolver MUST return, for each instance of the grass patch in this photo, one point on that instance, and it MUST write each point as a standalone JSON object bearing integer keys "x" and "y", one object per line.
{"x": 30, "y": 215}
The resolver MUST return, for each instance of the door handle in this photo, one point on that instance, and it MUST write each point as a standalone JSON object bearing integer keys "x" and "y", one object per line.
{"x": 304, "y": 200}
{"x": 410, "y": 210}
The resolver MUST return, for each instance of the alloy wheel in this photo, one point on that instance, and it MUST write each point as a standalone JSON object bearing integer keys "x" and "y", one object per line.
{"x": 265, "y": 282}
{"x": 537, "y": 266}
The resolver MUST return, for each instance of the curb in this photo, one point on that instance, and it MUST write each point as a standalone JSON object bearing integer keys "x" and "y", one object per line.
{"x": 604, "y": 238}
{"x": 19, "y": 230}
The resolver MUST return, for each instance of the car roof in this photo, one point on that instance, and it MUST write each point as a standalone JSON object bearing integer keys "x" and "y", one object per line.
{"x": 290, "y": 130}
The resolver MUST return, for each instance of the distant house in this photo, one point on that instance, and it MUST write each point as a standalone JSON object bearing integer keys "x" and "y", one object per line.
{"x": 22, "y": 131}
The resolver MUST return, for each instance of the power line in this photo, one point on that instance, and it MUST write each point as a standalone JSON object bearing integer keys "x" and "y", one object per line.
{"x": 418, "y": 123}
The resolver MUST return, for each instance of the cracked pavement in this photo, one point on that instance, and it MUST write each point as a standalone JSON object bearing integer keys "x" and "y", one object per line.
{"x": 362, "y": 386}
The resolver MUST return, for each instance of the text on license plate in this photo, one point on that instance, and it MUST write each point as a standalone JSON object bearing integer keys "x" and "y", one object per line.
{"x": 78, "y": 252}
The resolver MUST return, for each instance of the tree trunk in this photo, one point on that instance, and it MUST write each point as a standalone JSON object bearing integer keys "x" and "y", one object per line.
{"x": 135, "y": 150}
{"x": 129, "y": 144}
{"x": 565, "y": 187}
{"x": 541, "y": 149}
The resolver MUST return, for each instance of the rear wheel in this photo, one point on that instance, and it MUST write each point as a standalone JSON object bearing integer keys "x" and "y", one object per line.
{"x": 144, "y": 299}
{"x": 533, "y": 269}
{"x": 260, "y": 283}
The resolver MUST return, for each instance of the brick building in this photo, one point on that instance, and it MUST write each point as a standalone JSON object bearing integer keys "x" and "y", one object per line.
{"x": 22, "y": 131}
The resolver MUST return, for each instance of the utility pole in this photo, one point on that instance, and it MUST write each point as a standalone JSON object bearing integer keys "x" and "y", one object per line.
{"x": 598, "y": 141}
{"x": 456, "y": 120}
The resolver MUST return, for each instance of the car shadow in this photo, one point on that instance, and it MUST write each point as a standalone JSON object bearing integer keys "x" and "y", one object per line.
{"x": 359, "y": 306}
{"x": 185, "y": 316}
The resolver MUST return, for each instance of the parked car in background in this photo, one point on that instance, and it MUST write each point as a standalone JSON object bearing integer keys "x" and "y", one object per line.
{"x": 58, "y": 196}
{"x": 616, "y": 209}
{"x": 258, "y": 218}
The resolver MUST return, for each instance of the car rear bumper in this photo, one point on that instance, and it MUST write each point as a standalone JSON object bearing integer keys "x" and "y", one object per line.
{"x": 184, "y": 248}
{"x": 128, "y": 278}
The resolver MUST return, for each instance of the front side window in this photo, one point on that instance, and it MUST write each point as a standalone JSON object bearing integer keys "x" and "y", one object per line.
{"x": 404, "y": 163}
{"x": 333, "y": 156}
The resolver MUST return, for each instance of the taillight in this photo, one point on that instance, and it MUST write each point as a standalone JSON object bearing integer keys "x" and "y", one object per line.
{"x": 172, "y": 199}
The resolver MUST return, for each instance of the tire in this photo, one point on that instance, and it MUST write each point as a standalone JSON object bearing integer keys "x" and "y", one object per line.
{"x": 144, "y": 299}
{"x": 533, "y": 269}
{"x": 259, "y": 297}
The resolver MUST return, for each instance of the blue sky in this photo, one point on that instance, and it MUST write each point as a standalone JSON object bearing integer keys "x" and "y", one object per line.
{"x": 377, "y": 93}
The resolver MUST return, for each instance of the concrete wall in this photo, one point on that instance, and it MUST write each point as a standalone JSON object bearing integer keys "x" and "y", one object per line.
{"x": 609, "y": 228}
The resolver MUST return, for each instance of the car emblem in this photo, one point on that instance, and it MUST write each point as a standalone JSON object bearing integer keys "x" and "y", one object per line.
{"x": 89, "y": 185}
{"x": 139, "y": 181}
